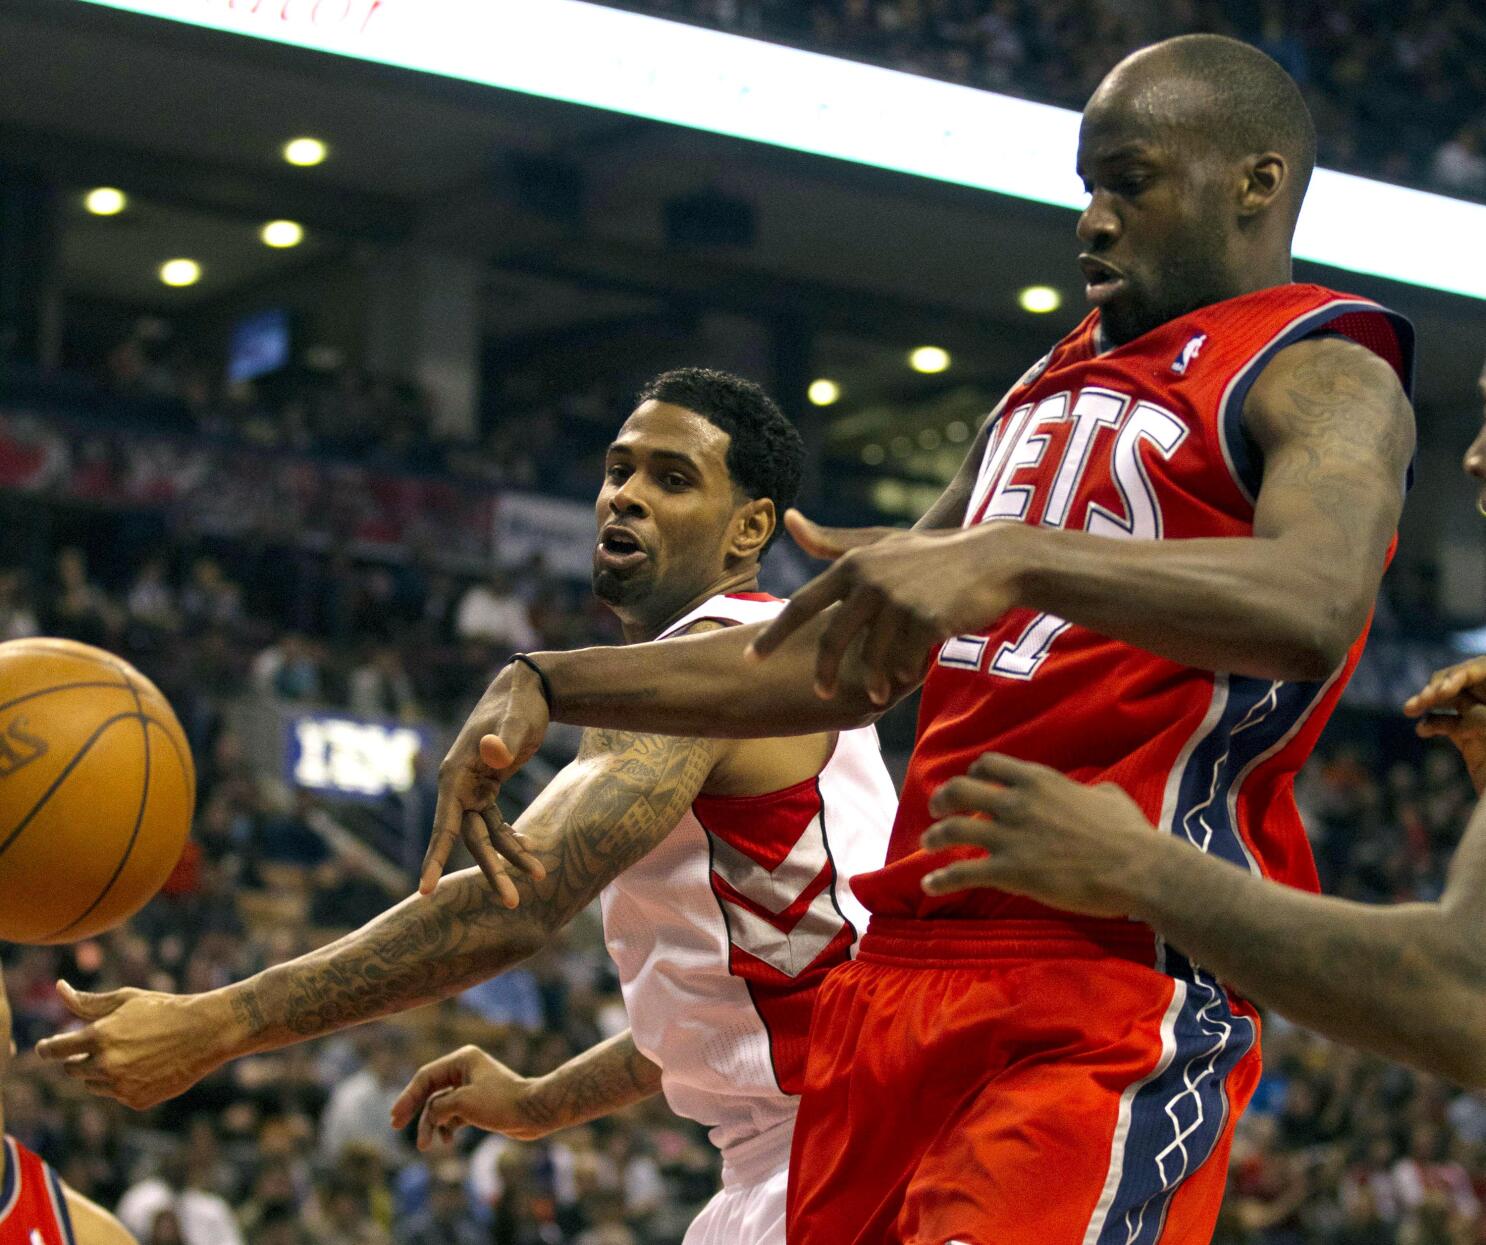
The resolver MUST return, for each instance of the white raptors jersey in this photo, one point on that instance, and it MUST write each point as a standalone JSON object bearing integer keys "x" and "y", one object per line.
{"x": 723, "y": 932}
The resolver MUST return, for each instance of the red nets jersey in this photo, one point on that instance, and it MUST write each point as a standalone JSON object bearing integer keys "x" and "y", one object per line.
{"x": 1144, "y": 441}
{"x": 32, "y": 1208}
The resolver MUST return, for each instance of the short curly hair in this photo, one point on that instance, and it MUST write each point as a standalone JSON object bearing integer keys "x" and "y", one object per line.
{"x": 766, "y": 454}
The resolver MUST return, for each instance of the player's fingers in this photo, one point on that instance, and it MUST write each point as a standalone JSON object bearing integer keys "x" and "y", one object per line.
{"x": 87, "y": 1006}
{"x": 477, "y": 839}
{"x": 911, "y": 653}
{"x": 878, "y": 650}
{"x": 448, "y": 817}
{"x": 858, "y": 611}
{"x": 960, "y": 832}
{"x": 1437, "y": 727}
{"x": 1008, "y": 771}
{"x": 511, "y": 844}
{"x": 441, "y": 1115}
{"x": 818, "y": 595}
{"x": 444, "y": 1073}
{"x": 962, "y": 795}
{"x": 829, "y": 542}
{"x": 963, "y": 875}
{"x": 496, "y": 753}
{"x": 68, "y": 1046}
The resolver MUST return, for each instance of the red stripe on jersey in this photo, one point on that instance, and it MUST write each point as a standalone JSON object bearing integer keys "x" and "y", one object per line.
{"x": 774, "y": 879}
{"x": 1143, "y": 441}
{"x": 33, "y": 1210}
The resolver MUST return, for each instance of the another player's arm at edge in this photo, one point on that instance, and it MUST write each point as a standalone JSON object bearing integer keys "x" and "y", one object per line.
{"x": 602, "y": 813}
{"x": 91, "y": 1224}
{"x": 1406, "y": 981}
{"x": 470, "y": 1087}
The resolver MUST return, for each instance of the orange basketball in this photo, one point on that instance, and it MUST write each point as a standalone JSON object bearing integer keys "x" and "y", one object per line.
{"x": 97, "y": 789}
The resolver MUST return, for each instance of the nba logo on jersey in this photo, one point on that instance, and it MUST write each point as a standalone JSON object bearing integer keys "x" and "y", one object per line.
{"x": 1189, "y": 352}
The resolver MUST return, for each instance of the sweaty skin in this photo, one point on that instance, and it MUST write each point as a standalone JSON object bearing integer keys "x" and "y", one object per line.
{"x": 1407, "y": 981}
{"x": 668, "y": 481}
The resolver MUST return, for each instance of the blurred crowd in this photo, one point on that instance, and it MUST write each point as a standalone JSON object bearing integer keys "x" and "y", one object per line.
{"x": 1397, "y": 89}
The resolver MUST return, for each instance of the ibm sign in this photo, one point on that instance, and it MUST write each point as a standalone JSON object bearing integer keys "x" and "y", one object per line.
{"x": 347, "y": 757}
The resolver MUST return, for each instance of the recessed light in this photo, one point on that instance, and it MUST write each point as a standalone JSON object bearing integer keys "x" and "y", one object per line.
{"x": 823, "y": 392}
{"x": 929, "y": 359}
{"x": 873, "y": 454}
{"x": 305, "y": 152}
{"x": 957, "y": 432}
{"x": 105, "y": 201}
{"x": 1040, "y": 299}
{"x": 179, "y": 272}
{"x": 282, "y": 233}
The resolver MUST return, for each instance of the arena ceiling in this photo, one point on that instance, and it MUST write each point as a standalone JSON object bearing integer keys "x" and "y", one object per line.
{"x": 191, "y": 123}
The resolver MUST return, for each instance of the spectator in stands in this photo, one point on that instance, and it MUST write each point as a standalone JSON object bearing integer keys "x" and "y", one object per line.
{"x": 17, "y": 617}
{"x": 1459, "y": 166}
{"x": 289, "y": 669}
{"x": 209, "y": 598}
{"x": 492, "y": 613}
{"x": 380, "y": 687}
{"x": 151, "y": 600}
{"x": 339, "y": 1215}
{"x": 447, "y": 1220}
{"x": 80, "y": 609}
{"x": 181, "y": 1190}
{"x": 360, "y": 1106}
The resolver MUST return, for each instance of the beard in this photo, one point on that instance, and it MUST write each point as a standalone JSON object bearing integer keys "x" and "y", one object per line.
{"x": 614, "y": 588}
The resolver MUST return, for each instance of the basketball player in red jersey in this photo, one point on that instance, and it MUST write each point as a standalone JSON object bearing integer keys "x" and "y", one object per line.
{"x": 1155, "y": 570}
{"x": 721, "y": 866}
{"x": 36, "y": 1208}
{"x": 1407, "y": 981}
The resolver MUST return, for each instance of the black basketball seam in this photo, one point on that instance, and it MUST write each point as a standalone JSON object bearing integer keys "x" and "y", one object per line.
{"x": 59, "y": 687}
{"x": 144, "y": 800}
{"x": 71, "y": 765}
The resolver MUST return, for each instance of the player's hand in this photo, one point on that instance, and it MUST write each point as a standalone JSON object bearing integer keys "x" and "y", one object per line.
{"x": 1452, "y": 705}
{"x": 467, "y": 1087}
{"x": 904, "y": 591}
{"x": 138, "y": 1047}
{"x": 499, "y": 737}
{"x": 1077, "y": 848}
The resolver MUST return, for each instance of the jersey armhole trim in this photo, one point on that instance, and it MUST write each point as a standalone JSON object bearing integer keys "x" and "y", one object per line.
{"x": 1242, "y": 464}
{"x": 10, "y": 1177}
{"x": 60, "y": 1208}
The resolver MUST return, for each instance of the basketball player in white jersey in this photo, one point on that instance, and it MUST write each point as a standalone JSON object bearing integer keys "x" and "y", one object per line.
{"x": 722, "y": 863}
{"x": 36, "y": 1208}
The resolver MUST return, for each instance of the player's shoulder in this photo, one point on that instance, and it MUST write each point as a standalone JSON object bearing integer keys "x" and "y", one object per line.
{"x": 726, "y": 609}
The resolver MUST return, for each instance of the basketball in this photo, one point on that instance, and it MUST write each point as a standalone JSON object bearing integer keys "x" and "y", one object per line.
{"x": 97, "y": 789}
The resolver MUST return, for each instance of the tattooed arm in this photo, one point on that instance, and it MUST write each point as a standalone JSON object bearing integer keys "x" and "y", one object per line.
{"x": 469, "y": 1087}
{"x": 617, "y": 800}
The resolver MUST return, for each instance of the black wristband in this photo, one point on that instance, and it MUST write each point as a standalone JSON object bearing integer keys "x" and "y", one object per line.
{"x": 541, "y": 675}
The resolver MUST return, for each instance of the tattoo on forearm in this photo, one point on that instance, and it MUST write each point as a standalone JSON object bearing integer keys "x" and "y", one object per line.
{"x": 630, "y": 792}
{"x": 603, "y": 1080}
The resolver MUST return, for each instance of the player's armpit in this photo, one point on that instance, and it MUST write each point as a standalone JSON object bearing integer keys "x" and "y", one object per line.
{"x": 1336, "y": 433}
{"x": 91, "y": 1224}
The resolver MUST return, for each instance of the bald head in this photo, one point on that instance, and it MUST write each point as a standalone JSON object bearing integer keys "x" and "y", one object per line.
{"x": 1220, "y": 95}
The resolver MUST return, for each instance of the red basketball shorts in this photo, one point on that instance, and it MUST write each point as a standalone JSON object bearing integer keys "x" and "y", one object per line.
{"x": 1024, "y": 1084}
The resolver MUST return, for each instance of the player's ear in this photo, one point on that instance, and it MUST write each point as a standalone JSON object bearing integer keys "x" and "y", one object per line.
{"x": 753, "y": 524}
{"x": 1265, "y": 179}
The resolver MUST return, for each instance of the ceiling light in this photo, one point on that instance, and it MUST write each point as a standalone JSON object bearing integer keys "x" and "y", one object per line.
{"x": 105, "y": 201}
{"x": 823, "y": 392}
{"x": 305, "y": 152}
{"x": 180, "y": 272}
{"x": 901, "y": 447}
{"x": 1040, "y": 299}
{"x": 957, "y": 432}
{"x": 873, "y": 454}
{"x": 929, "y": 359}
{"x": 282, "y": 233}
{"x": 929, "y": 438}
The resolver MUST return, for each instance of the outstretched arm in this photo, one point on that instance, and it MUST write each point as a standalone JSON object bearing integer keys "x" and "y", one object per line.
{"x": 91, "y": 1224}
{"x": 469, "y": 1087}
{"x": 602, "y": 813}
{"x": 1407, "y": 981}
